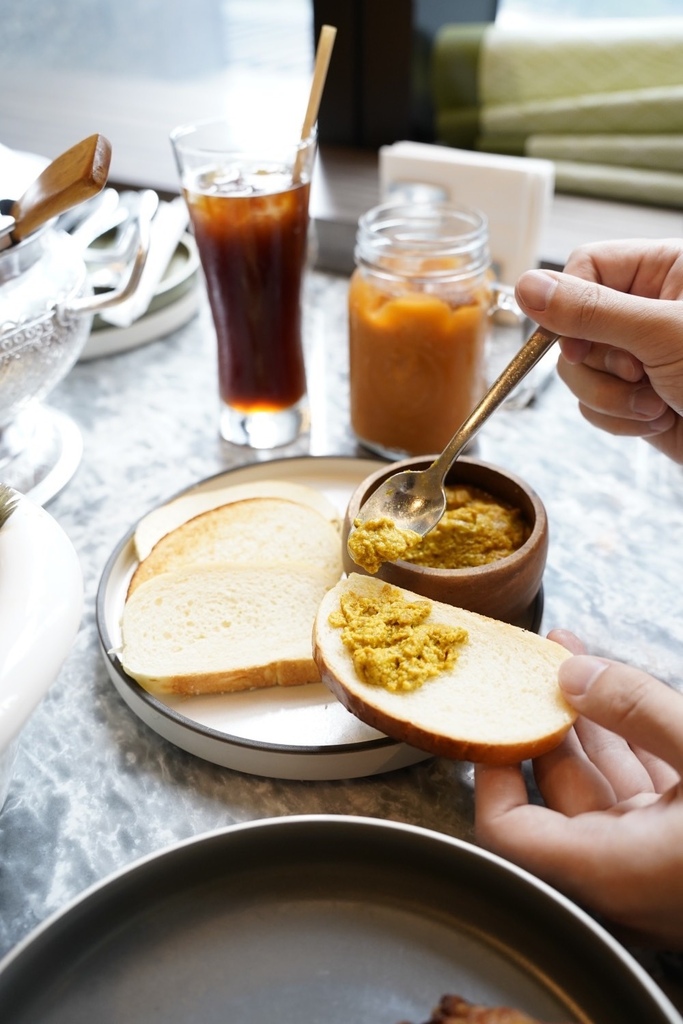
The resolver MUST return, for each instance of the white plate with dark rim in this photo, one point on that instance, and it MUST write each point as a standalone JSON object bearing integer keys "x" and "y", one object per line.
{"x": 294, "y": 732}
{"x": 322, "y": 918}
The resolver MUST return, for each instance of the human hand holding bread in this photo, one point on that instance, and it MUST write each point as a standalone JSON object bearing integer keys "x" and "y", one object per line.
{"x": 611, "y": 831}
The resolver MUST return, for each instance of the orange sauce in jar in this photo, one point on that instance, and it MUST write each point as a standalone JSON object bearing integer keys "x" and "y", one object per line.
{"x": 416, "y": 362}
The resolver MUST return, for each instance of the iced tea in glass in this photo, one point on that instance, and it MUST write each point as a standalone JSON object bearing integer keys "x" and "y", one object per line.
{"x": 249, "y": 213}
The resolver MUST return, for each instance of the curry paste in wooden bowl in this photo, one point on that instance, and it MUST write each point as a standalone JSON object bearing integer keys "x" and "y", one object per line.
{"x": 488, "y": 552}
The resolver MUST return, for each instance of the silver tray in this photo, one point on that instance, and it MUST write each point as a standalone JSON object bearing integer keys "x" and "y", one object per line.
{"x": 328, "y": 919}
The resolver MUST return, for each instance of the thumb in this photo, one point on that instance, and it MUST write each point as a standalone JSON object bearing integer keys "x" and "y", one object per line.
{"x": 644, "y": 711}
{"x": 575, "y": 308}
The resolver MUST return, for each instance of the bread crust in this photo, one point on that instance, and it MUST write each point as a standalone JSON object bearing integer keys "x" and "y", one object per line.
{"x": 276, "y": 673}
{"x": 439, "y": 745}
{"x": 231, "y": 533}
{"x": 163, "y": 520}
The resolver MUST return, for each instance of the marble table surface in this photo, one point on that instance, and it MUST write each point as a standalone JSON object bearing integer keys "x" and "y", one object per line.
{"x": 95, "y": 789}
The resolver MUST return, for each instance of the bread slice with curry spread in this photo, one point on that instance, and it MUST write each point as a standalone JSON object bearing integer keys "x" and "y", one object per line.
{"x": 440, "y": 678}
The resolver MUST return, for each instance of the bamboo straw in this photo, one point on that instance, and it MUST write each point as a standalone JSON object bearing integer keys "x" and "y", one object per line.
{"x": 322, "y": 62}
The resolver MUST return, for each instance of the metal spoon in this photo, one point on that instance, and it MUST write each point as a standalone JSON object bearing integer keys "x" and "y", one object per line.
{"x": 416, "y": 499}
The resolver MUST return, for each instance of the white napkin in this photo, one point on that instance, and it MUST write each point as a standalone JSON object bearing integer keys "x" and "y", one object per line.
{"x": 168, "y": 227}
{"x": 514, "y": 192}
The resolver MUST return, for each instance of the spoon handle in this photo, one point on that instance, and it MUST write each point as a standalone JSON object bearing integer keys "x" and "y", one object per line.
{"x": 71, "y": 178}
{"x": 527, "y": 357}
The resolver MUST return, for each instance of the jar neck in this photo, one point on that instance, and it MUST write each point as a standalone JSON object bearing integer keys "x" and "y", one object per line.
{"x": 428, "y": 242}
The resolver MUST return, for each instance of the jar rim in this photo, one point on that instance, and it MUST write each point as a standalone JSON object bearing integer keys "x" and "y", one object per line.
{"x": 384, "y": 216}
{"x": 412, "y": 233}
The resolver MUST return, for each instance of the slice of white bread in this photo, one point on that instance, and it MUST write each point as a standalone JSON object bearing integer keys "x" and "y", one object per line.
{"x": 264, "y": 531}
{"x": 499, "y": 704}
{"x": 160, "y": 521}
{"x": 217, "y": 629}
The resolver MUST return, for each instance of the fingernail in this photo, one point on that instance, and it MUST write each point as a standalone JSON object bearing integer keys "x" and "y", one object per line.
{"x": 647, "y": 402}
{"x": 535, "y": 288}
{"x": 661, "y": 423}
{"x": 578, "y": 674}
{"x": 622, "y": 364}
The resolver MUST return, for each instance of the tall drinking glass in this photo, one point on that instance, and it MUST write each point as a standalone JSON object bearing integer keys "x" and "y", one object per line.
{"x": 249, "y": 212}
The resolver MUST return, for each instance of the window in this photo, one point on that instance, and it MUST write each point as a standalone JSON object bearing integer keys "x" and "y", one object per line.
{"x": 520, "y": 12}
{"x": 132, "y": 69}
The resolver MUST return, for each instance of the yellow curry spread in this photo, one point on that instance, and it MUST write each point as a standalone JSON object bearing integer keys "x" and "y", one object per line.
{"x": 475, "y": 529}
{"x": 379, "y": 540}
{"x": 392, "y": 643}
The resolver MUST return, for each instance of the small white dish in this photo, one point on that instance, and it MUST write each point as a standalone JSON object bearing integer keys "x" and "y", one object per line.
{"x": 41, "y": 602}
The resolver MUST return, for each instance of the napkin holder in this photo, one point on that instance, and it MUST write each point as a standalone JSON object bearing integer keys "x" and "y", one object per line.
{"x": 515, "y": 194}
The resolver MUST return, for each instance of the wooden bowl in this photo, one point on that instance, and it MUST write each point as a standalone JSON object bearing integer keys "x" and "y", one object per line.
{"x": 508, "y": 589}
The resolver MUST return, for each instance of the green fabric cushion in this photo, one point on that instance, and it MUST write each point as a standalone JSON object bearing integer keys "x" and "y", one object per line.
{"x": 652, "y": 151}
{"x": 630, "y": 184}
{"x": 606, "y": 107}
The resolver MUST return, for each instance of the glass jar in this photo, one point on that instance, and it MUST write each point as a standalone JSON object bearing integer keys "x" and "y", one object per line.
{"x": 419, "y": 304}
